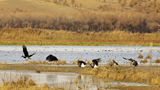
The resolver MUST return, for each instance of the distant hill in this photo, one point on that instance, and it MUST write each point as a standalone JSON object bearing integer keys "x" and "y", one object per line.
{"x": 34, "y": 6}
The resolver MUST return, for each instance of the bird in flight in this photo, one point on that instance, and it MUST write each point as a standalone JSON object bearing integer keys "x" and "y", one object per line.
{"x": 134, "y": 62}
{"x": 95, "y": 62}
{"x": 81, "y": 64}
{"x": 26, "y": 55}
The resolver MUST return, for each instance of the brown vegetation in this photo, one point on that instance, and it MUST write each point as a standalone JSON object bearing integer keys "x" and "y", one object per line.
{"x": 46, "y": 62}
{"x": 134, "y": 22}
{"x": 61, "y": 37}
{"x": 157, "y": 61}
{"x": 23, "y": 84}
{"x": 129, "y": 74}
{"x": 143, "y": 61}
{"x": 140, "y": 56}
{"x": 149, "y": 56}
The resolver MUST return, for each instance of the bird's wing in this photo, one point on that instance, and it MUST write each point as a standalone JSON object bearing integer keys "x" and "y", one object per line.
{"x": 53, "y": 58}
{"x": 83, "y": 62}
{"x": 25, "y": 50}
{"x": 95, "y": 62}
{"x": 79, "y": 64}
{"x": 47, "y": 58}
{"x": 31, "y": 55}
{"x": 131, "y": 60}
{"x": 125, "y": 58}
{"x": 128, "y": 59}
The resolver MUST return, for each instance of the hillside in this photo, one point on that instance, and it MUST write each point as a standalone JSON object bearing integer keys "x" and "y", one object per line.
{"x": 82, "y": 15}
{"x": 34, "y": 6}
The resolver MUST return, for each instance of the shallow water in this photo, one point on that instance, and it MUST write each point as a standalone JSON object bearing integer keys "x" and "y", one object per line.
{"x": 13, "y": 54}
{"x": 71, "y": 81}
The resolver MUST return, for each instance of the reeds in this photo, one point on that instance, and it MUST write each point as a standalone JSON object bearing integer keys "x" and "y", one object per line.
{"x": 157, "y": 61}
{"x": 125, "y": 74}
{"x": 149, "y": 56}
{"x": 46, "y": 62}
{"x": 21, "y": 84}
{"x": 52, "y": 37}
{"x": 140, "y": 56}
{"x": 144, "y": 61}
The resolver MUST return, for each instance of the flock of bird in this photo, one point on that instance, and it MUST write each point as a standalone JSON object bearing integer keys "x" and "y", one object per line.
{"x": 51, "y": 58}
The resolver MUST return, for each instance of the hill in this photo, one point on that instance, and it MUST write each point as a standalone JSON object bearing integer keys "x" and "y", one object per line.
{"x": 34, "y": 6}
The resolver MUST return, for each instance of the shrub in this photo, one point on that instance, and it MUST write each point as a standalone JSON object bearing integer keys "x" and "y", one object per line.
{"x": 140, "y": 56}
{"x": 149, "y": 56}
{"x": 157, "y": 61}
{"x": 143, "y": 61}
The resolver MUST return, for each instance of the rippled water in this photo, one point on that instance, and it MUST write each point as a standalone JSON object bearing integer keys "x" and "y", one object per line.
{"x": 71, "y": 81}
{"x": 12, "y": 54}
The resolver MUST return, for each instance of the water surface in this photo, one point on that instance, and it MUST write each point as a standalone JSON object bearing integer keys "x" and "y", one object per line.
{"x": 71, "y": 81}
{"x": 12, "y": 54}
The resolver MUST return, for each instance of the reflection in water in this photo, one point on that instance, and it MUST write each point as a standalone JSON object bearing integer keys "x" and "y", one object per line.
{"x": 71, "y": 81}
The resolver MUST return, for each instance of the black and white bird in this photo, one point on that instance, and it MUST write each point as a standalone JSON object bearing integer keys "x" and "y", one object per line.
{"x": 134, "y": 62}
{"x": 81, "y": 64}
{"x": 115, "y": 63}
{"x": 26, "y": 55}
{"x": 51, "y": 58}
{"x": 95, "y": 62}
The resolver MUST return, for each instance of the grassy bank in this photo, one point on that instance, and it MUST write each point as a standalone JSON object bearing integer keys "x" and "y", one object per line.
{"x": 127, "y": 74}
{"x": 29, "y": 36}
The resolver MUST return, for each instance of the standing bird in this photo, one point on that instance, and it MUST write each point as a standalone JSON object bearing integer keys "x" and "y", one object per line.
{"x": 81, "y": 64}
{"x": 26, "y": 55}
{"x": 51, "y": 58}
{"x": 134, "y": 62}
{"x": 95, "y": 62}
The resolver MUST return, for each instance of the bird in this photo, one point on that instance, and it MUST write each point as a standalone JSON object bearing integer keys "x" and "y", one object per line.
{"x": 115, "y": 63}
{"x": 134, "y": 62}
{"x": 81, "y": 64}
{"x": 26, "y": 55}
{"x": 51, "y": 58}
{"x": 95, "y": 62}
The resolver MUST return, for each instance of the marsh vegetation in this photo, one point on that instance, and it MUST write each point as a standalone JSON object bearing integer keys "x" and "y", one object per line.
{"x": 131, "y": 22}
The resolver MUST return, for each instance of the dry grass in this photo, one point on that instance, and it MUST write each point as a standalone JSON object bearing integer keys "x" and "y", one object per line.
{"x": 140, "y": 56}
{"x": 28, "y": 6}
{"x": 46, "y": 62}
{"x": 125, "y": 74}
{"x": 119, "y": 73}
{"x": 74, "y": 62}
{"x": 157, "y": 61}
{"x": 50, "y": 37}
{"x": 22, "y": 84}
{"x": 149, "y": 56}
{"x": 144, "y": 61}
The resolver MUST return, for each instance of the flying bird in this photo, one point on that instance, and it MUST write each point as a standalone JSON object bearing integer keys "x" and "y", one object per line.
{"x": 95, "y": 62}
{"x": 115, "y": 63}
{"x": 134, "y": 62}
{"x": 26, "y": 55}
{"x": 81, "y": 64}
{"x": 51, "y": 58}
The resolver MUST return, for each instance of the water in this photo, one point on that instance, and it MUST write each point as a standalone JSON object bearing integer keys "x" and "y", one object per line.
{"x": 71, "y": 81}
{"x": 12, "y": 54}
